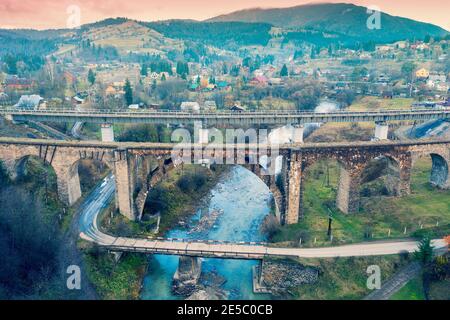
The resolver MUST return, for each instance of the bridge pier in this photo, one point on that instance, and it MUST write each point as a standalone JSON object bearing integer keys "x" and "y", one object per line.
{"x": 297, "y": 133}
{"x": 203, "y": 136}
{"x": 68, "y": 183}
{"x": 348, "y": 191}
{"x": 187, "y": 275}
{"x": 124, "y": 184}
{"x": 107, "y": 131}
{"x": 381, "y": 130}
{"x": 292, "y": 169}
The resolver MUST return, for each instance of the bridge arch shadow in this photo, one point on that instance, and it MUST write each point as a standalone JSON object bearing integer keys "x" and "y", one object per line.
{"x": 166, "y": 166}
{"x": 89, "y": 172}
{"x": 381, "y": 177}
{"x": 39, "y": 175}
{"x": 430, "y": 171}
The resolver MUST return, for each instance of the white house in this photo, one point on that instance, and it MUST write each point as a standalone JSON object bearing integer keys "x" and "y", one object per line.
{"x": 190, "y": 106}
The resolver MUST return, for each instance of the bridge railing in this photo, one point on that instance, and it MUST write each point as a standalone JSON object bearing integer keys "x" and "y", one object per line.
{"x": 190, "y": 252}
{"x": 100, "y": 112}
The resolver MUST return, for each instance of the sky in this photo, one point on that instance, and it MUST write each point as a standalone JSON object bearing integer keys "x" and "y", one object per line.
{"x": 49, "y": 14}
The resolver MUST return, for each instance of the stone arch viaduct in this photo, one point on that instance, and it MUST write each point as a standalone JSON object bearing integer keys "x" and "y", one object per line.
{"x": 138, "y": 167}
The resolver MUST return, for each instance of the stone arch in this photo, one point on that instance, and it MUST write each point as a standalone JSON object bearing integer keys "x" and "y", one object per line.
{"x": 18, "y": 169}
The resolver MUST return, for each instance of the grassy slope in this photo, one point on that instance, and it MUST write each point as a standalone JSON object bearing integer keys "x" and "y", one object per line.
{"x": 413, "y": 290}
{"x": 425, "y": 206}
{"x": 345, "y": 278}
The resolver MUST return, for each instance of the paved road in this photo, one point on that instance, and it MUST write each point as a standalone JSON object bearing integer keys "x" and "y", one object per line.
{"x": 103, "y": 194}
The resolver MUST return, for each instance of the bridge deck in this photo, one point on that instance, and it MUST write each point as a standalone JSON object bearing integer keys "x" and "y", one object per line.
{"x": 170, "y": 146}
{"x": 254, "y": 251}
{"x": 228, "y": 118}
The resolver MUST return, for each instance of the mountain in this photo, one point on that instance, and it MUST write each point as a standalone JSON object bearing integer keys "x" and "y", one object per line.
{"x": 340, "y": 18}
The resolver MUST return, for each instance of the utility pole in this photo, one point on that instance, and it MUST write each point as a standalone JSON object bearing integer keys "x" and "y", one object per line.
{"x": 330, "y": 220}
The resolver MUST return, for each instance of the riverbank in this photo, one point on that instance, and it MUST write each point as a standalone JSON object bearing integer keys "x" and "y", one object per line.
{"x": 122, "y": 278}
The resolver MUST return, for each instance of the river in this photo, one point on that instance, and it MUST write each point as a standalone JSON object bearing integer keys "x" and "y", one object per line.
{"x": 243, "y": 200}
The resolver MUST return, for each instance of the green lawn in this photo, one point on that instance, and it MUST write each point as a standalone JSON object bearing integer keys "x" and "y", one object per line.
{"x": 345, "y": 278}
{"x": 413, "y": 290}
{"x": 419, "y": 212}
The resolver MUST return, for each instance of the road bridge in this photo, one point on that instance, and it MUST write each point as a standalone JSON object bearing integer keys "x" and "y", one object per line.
{"x": 221, "y": 117}
{"x": 138, "y": 167}
{"x": 252, "y": 251}
{"x": 106, "y": 118}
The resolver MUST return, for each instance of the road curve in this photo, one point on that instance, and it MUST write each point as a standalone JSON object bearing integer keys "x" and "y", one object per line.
{"x": 103, "y": 195}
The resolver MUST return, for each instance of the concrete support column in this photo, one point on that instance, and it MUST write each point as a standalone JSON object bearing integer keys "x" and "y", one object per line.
{"x": 297, "y": 134}
{"x": 107, "y": 131}
{"x": 348, "y": 191}
{"x": 293, "y": 189}
{"x": 381, "y": 130}
{"x": 124, "y": 184}
{"x": 203, "y": 135}
{"x": 188, "y": 273}
{"x": 68, "y": 182}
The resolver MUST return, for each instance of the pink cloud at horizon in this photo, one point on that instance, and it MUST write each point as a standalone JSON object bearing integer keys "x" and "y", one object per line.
{"x": 47, "y": 14}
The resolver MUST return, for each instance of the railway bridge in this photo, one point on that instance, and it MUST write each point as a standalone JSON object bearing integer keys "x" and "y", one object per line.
{"x": 138, "y": 167}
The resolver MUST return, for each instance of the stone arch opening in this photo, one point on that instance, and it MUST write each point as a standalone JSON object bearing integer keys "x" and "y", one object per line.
{"x": 89, "y": 172}
{"x": 39, "y": 175}
{"x": 320, "y": 186}
{"x": 381, "y": 176}
{"x": 430, "y": 170}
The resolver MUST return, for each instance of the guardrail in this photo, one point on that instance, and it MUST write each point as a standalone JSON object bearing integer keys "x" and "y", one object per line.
{"x": 21, "y": 111}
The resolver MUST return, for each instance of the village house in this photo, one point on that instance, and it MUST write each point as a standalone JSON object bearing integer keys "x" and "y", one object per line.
{"x": 237, "y": 108}
{"x": 13, "y": 82}
{"x": 210, "y": 105}
{"x": 190, "y": 106}
{"x": 422, "y": 74}
{"x": 33, "y": 101}
{"x": 259, "y": 81}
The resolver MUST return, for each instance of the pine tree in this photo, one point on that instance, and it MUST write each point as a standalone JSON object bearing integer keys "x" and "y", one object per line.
{"x": 425, "y": 251}
{"x": 91, "y": 77}
{"x": 144, "y": 71}
{"x": 284, "y": 71}
{"x": 128, "y": 92}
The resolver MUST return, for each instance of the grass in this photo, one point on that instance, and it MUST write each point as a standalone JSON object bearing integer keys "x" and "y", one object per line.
{"x": 345, "y": 278}
{"x": 413, "y": 290}
{"x": 375, "y": 103}
{"x": 116, "y": 280}
{"x": 419, "y": 212}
